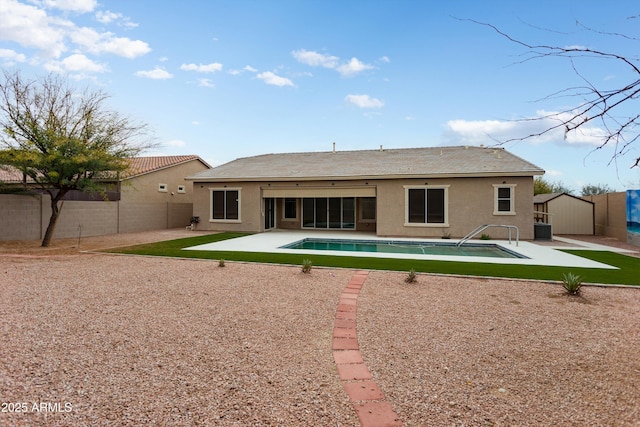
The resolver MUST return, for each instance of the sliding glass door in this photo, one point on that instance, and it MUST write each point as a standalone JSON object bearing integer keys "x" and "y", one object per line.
{"x": 329, "y": 212}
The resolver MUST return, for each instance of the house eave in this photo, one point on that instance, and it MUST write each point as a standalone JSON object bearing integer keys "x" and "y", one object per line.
{"x": 366, "y": 177}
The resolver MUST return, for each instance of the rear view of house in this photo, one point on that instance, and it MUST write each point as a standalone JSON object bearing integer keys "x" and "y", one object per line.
{"x": 414, "y": 192}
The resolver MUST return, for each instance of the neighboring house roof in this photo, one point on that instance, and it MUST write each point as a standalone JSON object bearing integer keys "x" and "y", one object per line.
{"x": 144, "y": 165}
{"x": 544, "y": 198}
{"x": 137, "y": 166}
{"x": 369, "y": 164}
{"x": 11, "y": 175}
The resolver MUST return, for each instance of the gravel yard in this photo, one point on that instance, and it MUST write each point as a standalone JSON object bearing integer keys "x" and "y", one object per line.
{"x": 107, "y": 339}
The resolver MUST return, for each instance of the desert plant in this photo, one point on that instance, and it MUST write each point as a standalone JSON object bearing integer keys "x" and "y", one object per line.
{"x": 572, "y": 283}
{"x": 411, "y": 276}
{"x": 221, "y": 262}
{"x": 306, "y": 265}
{"x": 485, "y": 237}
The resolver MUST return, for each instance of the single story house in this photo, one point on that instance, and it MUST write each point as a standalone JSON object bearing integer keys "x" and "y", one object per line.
{"x": 567, "y": 214}
{"x": 412, "y": 192}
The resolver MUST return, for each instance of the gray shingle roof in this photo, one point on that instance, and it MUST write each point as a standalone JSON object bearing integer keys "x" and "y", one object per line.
{"x": 370, "y": 164}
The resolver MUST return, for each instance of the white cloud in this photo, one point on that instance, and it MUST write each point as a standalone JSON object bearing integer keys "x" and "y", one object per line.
{"x": 248, "y": 68}
{"x": 41, "y": 26}
{"x": 156, "y": 74}
{"x": 364, "y": 101}
{"x": 30, "y": 27}
{"x": 208, "y": 68}
{"x": 384, "y": 59}
{"x": 107, "y": 16}
{"x": 272, "y": 79}
{"x": 206, "y": 83}
{"x": 489, "y": 131}
{"x": 354, "y": 66}
{"x": 82, "y": 6}
{"x": 315, "y": 59}
{"x": 75, "y": 63}
{"x": 97, "y": 43}
{"x": 12, "y": 56}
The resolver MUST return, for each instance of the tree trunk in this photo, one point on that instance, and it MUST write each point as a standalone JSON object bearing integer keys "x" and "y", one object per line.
{"x": 53, "y": 220}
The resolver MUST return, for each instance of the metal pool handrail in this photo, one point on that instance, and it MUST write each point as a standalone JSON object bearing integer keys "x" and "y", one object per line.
{"x": 483, "y": 227}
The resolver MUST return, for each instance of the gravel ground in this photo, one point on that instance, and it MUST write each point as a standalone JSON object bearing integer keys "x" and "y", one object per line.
{"x": 105, "y": 339}
{"x": 457, "y": 351}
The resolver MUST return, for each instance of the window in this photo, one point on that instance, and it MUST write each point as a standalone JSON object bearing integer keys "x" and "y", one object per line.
{"x": 426, "y": 205}
{"x": 182, "y": 189}
{"x": 162, "y": 188}
{"x": 504, "y": 199}
{"x": 225, "y": 204}
{"x": 290, "y": 208}
{"x": 368, "y": 209}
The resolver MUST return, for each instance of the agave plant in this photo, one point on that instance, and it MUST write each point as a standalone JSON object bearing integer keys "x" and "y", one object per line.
{"x": 572, "y": 283}
{"x": 306, "y": 265}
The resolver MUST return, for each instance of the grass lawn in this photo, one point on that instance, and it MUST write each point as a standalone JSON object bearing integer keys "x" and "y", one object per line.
{"x": 628, "y": 273}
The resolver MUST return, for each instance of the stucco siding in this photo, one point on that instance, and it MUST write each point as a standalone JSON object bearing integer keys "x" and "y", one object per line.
{"x": 470, "y": 203}
{"x": 145, "y": 188}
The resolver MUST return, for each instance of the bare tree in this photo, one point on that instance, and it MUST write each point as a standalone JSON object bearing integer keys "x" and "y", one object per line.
{"x": 61, "y": 138}
{"x": 605, "y": 107}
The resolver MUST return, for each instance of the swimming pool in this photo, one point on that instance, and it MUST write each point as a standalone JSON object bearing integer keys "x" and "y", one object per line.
{"x": 490, "y": 250}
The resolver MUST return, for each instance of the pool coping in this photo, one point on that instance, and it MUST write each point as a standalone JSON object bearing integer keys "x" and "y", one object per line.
{"x": 548, "y": 255}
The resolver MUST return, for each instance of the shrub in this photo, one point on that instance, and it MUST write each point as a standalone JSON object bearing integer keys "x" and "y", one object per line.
{"x": 485, "y": 237}
{"x": 572, "y": 283}
{"x": 221, "y": 262}
{"x": 411, "y": 276}
{"x": 306, "y": 265}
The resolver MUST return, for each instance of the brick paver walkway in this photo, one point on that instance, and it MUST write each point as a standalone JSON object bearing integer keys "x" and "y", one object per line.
{"x": 368, "y": 400}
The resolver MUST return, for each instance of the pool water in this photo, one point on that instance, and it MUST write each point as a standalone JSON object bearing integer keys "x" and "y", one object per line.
{"x": 405, "y": 247}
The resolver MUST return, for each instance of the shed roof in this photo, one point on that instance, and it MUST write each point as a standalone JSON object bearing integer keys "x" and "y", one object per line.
{"x": 547, "y": 197}
{"x": 388, "y": 163}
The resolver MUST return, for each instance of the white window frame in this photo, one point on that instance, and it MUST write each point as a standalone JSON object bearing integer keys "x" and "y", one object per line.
{"x": 236, "y": 221}
{"x": 163, "y": 188}
{"x": 182, "y": 189}
{"x": 426, "y": 224}
{"x": 512, "y": 199}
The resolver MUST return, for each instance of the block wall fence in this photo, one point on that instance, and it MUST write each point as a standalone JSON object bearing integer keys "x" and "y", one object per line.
{"x": 25, "y": 217}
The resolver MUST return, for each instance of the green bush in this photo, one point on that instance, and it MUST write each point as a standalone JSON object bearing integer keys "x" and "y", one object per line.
{"x": 572, "y": 283}
{"x": 221, "y": 262}
{"x": 485, "y": 237}
{"x": 411, "y": 276}
{"x": 306, "y": 265}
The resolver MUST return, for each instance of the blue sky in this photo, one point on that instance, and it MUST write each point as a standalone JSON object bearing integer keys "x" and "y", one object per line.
{"x": 229, "y": 79}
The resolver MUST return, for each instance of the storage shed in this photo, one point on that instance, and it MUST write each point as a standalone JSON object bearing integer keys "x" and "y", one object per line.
{"x": 566, "y": 213}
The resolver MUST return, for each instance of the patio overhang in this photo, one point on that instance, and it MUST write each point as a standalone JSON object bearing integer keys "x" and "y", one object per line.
{"x": 302, "y": 192}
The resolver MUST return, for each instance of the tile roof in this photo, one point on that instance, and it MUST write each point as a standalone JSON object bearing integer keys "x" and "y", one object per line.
{"x": 137, "y": 166}
{"x": 369, "y": 164}
{"x": 143, "y": 165}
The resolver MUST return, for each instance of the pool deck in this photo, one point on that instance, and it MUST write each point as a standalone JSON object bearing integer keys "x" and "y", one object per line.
{"x": 537, "y": 254}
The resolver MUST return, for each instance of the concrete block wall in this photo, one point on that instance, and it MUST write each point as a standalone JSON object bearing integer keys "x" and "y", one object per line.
{"x": 82, "y": 218}
{"x": 610, "y": 214}
{"x": 20, "y": 217}
{"x": 26, "y": 217}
